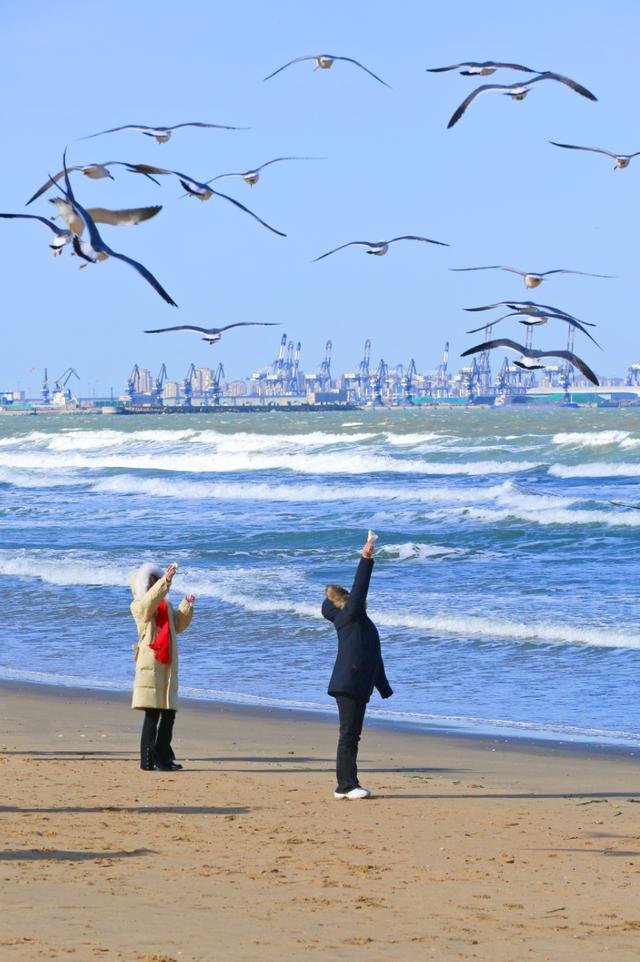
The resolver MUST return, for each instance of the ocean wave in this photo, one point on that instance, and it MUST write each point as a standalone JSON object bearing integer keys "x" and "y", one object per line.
{"x": 553, "y": 516}
{"x": 601, "y": 469}
{"x": 228, "y": 463}
{"x": 78, "y": 570}
{"x": 590, "y": 439}
{"x": 417, "y": 551}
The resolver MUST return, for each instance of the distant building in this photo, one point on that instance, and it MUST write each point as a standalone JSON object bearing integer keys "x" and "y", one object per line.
{"x": 236, "y": 389}
{"x": 171, "y": 392}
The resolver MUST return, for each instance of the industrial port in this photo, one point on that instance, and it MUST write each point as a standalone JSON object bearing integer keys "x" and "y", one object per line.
{"x": 284, "y": 385}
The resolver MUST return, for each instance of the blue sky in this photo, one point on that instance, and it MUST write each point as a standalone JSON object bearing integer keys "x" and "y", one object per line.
{"x": 492, "y": 186}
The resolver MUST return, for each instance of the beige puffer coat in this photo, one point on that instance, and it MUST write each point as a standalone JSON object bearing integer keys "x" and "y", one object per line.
{"x": 156, "y": 685}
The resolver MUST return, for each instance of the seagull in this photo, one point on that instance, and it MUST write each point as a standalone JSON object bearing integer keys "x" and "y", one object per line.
{"x": 203, "y": 191}
{"x": 526, "y": 307}
{"x": 101, "y": 215}
{"x": 484, "y": 68}
{"x": 95, "y": 248}
{"x": 161, "y": 134}
{"x": 252, "y": 177}
{"x": 621, "y": 160}
{"x": 518, "y": 91}
{"x": 323, "y": 62}
{"x": 94, "y": 171}
{"x": 535, "y": 318}
{"x": 531, "y": 353}
{"x": 380, "y": 247}
{"x": 530, "y": 279}
{"x": 61, "y": 237}
{"x": 212, "y": 334}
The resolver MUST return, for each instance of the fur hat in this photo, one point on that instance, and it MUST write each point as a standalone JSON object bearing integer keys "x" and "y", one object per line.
{"x": 140, "y": 580}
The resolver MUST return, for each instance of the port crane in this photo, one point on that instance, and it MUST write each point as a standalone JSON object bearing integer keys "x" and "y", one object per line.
{"x": 159, "y": 384}
{"x": 187, "y": 385}
{"x": 407, "y": 382}
{"x": 215, "y": 385}
{"x": 378, "y": 380}
{"x": 45, "y": 393}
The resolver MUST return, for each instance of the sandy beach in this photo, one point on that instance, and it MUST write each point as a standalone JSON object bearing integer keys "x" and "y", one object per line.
{"x": 473, "y": 848}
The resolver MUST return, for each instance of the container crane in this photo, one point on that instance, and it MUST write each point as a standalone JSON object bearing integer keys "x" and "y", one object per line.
{"x": 407, "y": 382}
{"x": 215, "y": 385}
{"x": 133, "y": 382}
{"x": 45, "y": 393}
{"x": 156, "y": 394}
{"x": 187, "y": 385}
{"x": 378, "y": 380}
{"x": 324, "y": 374}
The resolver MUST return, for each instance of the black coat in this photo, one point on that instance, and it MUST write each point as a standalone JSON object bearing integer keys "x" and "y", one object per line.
{"x": 359, "y": 667}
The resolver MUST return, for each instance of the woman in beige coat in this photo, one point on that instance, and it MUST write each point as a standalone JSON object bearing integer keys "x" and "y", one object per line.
{"x": 156, "y": 683}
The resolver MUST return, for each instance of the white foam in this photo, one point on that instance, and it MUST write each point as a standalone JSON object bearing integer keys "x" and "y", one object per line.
{"x": 595, "y": 470}
{"x": 228, "y": 462}
{"x": 590, "y": 439}
{"x": 417, "y": 551}
{"x": 554, "y": 516}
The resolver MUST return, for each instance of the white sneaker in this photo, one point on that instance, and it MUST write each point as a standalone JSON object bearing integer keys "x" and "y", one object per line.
{"x": 358, "y": 792}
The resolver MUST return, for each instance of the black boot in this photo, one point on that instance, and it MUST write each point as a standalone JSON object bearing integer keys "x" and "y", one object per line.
{"x": 146, "y": 760}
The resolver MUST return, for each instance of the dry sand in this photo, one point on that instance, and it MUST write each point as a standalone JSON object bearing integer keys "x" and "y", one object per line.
{"x": 472, "y": 849}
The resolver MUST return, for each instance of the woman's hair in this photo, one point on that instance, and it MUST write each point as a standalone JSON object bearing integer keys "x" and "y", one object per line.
{"x": 338, "y": 595}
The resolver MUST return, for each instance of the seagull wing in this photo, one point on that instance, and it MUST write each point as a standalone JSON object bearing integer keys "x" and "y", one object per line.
{"x": 184, "y": 327}
{"x": 197, "y": 123}
{"x": 250, "y": 212}
{"x": 490, "y": 267}
{"x": 342, "y": 247}
{"x": 141, "y": 269}
{"x": 247, "y": 324}
{"x": 475, "y": 330}
{"x": 122, "y": 218}
{"x": 592, "y": 150}
{"x": 486, "y": 307}
{"x": 417, "y": 238}
{"x": 43, "y": 220}
{"x": 579, "y": 89}
{"x": 48, "y": 185}
{"x": 366, "y": 69}
{"x": 582, "y": 273}
{"x": 454, "y": 66}
{"x": 276, "y": 160}
{"x": 149, "y": 169}
{"x": 483, "y": 89}
{"x": 572, "y": 358}
{"x": 507, "y": 66}
{"x": 114, "y": 130}
{"x": 501, "y": 342}
{"x": 297, "y": 60}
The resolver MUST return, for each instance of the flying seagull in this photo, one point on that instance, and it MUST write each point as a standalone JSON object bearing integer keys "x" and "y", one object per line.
{"x": 203, "y": 191}
{"x": 526, "y": 307}
{"x": 61, "y": 237}
{"x": 95, "y": 249}
{"x": 534, "y": 318}
{"x": 484, "y": 68}
{"x": 94, "y": 171}
{"x": 518, "y": 91}
{"x": 380, "y": 247}
{"x": 621, "y": 160}
{"x": 252, "y": 177}
{"x": 102, "y": 215}
{"x": 161, "y": 134}
{"x": 531, "y": 353}
{"x": 530, "y": 278}
{"x": 212, "y": 334}
{"x": 323, "y": 62}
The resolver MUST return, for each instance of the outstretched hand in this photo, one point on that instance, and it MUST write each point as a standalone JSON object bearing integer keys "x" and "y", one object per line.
{"x": 191, "y": 599}
{"x": 367, "y": 551}
{"x": 169, "y": 573}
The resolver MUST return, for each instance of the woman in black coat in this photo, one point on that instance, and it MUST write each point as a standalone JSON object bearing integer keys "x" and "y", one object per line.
{"x": 358, "y": 670}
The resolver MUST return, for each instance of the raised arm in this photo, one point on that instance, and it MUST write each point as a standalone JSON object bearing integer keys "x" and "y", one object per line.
{"x": 143, "y": 609}
{"x": 358, "y": 594}
{"x": 183, "y": 614}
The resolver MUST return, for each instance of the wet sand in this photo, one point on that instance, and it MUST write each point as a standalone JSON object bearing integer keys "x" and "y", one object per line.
{"x": 474, "y": 848}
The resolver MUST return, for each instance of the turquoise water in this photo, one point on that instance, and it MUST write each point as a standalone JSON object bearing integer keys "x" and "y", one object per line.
{"x": 505, "y": 588}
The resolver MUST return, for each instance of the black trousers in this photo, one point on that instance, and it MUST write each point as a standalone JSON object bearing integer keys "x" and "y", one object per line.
{"x": 157, "y": 732}
{"x": 351, "y": 713}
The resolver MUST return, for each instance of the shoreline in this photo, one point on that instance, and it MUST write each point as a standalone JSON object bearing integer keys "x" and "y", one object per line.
{"x": 486, "y": 741}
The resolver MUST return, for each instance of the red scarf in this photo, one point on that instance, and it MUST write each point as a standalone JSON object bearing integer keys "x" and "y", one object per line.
{"x": 162, "y": 643}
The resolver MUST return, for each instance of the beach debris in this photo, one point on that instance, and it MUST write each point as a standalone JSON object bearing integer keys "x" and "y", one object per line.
{"x": 595, "y": 801}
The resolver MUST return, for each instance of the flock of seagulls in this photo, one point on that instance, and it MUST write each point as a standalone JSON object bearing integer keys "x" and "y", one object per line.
{"x": 82, "y": 235}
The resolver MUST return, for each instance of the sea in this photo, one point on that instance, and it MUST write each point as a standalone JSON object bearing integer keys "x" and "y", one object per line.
{"x": 506, "y": 586}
